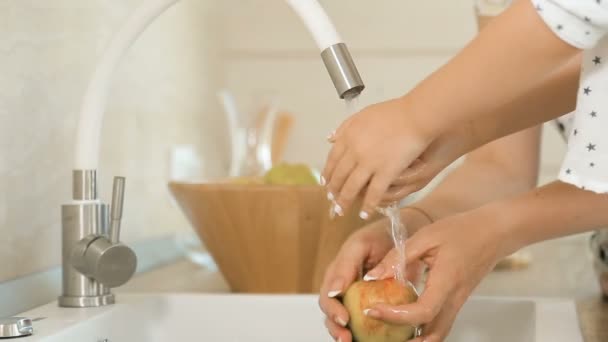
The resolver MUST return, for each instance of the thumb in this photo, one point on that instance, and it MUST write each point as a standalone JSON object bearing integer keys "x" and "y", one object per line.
{"x": 415, "y": 248}
{"x": 385, "y": 268}
{"x": 344, "y": 269}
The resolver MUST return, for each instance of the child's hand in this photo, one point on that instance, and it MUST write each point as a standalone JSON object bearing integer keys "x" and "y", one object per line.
{"x": 371, "y": 149}
{"x": 459, "y": 251}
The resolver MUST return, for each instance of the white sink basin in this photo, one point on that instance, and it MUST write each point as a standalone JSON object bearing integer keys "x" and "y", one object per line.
{"x": 257, "y": 318}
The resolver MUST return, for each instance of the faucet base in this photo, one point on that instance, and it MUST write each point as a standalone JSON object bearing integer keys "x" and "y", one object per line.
{"x": 86, "y": 301}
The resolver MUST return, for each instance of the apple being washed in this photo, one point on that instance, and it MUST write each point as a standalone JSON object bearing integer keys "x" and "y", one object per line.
{"x": 362, "y": 295}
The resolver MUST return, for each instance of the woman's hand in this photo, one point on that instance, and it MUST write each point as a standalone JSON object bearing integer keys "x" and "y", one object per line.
{"x": 438, "y": 155}
{"x": 361, "y": 252}
{"x": 459, "y": 251}
{"x": 370, "y": 150}
{"x": 444, "y": 150}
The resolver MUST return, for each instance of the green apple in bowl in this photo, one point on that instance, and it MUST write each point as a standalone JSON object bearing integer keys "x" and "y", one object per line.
{"x": 291, "y": 174}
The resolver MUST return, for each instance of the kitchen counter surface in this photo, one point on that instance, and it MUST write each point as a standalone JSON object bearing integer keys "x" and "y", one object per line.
{"x": 558, "y": 268}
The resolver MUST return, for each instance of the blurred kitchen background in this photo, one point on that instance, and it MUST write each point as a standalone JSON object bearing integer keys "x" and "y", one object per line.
{"x": 165, "y": 95}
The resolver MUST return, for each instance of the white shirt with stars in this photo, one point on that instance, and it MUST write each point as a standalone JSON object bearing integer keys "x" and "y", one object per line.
{"x": 584, "y": 24}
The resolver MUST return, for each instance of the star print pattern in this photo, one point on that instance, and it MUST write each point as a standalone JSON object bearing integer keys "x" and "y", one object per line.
{"x": 584, "y": 24}
{"x": 581, "y": 23}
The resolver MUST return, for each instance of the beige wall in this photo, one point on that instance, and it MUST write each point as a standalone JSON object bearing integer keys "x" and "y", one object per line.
{"x": 164, "y": 94}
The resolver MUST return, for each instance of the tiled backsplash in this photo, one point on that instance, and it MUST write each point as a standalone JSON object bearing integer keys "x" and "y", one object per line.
{"x": 164, "y": 94}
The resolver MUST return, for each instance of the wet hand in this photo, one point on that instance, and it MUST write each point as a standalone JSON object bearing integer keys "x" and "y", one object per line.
{"x": 361, "y": 252}
{"x": 459, "y": 251}
{"x": 370, "y": 150}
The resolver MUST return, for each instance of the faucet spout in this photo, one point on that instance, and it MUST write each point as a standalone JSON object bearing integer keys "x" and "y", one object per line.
{"x": 342, "y": 70}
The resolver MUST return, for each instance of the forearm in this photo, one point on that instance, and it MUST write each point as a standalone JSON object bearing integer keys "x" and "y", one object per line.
{"x": 555, "y": 210}
{"x": 551, "y": 98}
{"x": 506, "y": 60}
{"x": 472, "y": 185}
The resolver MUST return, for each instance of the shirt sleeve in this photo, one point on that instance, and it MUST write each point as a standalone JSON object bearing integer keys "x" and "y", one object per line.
{"x": 580, "y": 23}
{"x": 586, "y": 161}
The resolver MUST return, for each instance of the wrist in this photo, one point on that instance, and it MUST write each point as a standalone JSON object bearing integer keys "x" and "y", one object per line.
{"x": 419, "y": 116}
{"x": 506, "y": 224}
{"x": 414, "y": 218}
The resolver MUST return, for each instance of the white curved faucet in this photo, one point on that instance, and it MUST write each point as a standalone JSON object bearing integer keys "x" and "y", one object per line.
{"x": 94, "y": 260}
{"x": 335, "y": 55}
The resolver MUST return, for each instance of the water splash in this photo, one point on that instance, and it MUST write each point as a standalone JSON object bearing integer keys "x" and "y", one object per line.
{"x": 398, "y": 234}
{"x": 397, "y": 228}
{"x": 352, "y": 104}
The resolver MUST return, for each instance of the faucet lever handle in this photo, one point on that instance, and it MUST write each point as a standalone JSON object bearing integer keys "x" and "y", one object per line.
{"x": 118, "y": 196}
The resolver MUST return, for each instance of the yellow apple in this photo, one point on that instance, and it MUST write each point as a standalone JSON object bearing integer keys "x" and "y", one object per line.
{"x": 363, "y": 295}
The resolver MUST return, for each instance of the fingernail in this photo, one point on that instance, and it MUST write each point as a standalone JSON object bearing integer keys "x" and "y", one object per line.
{"x": 374, "y": 274}
{"x": 333, "y": 294}
{"x": 340, "y": 340}
{"x": 338, "y": 209}
{"x": 363, "y": 215}
{"x": 331, "y": 136}
{"x": 371, "y": 313}
{"x": 322, "y": 180}
{"x": 330, "y": 196}
{"x": 340, "y": 321}
{"x": 369, "y": 278}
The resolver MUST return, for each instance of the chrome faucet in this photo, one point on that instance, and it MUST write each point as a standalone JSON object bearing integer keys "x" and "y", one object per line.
{"x": 94, "y": 261}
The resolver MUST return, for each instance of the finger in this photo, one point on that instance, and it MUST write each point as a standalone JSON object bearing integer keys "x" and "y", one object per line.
{"x": 342, "y": 272}
{"x": 331, "y": 137}
{"x": 337, "y": 332}
{"x": 339, "y": 132}
{"x": 414, "y": 272}
{"x": 334, "y": 310}
{"x": 438, "y": 288}
{"x": 411, "y": 174}
{"x": 419, "y": 244}
{"x": 397, "y": 194}
{"x": 334, "y": 156}
{"x": 376, "y": 189}
{"x": 415, "y": 247}
{"x": 439, "y": 329}
{"x": 352, "y": 188}
{"x": 384, "y": 269}
{"x": 341, "y": 172}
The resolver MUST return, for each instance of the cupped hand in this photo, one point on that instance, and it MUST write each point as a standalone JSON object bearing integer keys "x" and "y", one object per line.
{"x": 370, "y": 150}
{"x": 459, "y": 251}
{"x": 361, "y": 252}
{"x": 439, "y": 154}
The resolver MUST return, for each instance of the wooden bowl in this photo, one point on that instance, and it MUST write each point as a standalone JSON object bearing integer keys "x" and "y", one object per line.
{"x": 266, "y": 238}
